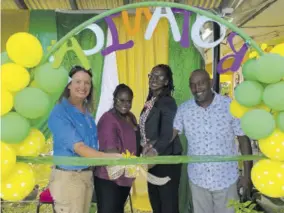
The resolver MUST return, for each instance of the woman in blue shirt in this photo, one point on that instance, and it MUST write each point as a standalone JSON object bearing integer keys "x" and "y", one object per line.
{"x": 75, "y": 135}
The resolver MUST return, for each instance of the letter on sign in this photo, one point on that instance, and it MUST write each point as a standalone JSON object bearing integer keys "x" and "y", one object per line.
{"x": 100, "y": 39}
{"x": 137, "y": 20}
{"x": 70, "y": 45}
{"x": 196, "y": 37}
{"x": 156, "y": 18}
{"x": 115, "y": 39}
{"x": 238, "y": 56}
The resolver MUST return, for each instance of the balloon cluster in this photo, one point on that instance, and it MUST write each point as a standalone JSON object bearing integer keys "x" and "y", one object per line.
{"x": 27, "y": 89}
{"x": 259, "y": 103}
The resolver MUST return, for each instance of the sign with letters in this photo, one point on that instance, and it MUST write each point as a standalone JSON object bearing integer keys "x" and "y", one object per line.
{"x": 159, "y": 13}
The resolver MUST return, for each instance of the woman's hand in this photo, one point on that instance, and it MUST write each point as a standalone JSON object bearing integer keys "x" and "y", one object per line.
{"x": 146, "y": 148}
{"x": 149, "y": 151}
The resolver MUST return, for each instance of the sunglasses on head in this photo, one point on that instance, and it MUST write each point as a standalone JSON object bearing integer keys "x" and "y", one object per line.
{"x": 77, "y": 68}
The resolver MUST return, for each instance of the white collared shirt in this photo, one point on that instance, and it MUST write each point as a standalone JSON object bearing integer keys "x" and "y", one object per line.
{"x": 210, "y": 131}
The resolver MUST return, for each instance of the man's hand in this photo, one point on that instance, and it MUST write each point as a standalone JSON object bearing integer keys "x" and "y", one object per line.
{"x": 246, "y": 185}
{"x": 245, "y": 181}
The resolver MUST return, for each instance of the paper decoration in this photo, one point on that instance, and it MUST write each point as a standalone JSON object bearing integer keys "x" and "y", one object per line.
{"x": 196, "y": 37}
{"x": 138, "y": 15}
{"x": 115, "y": 40}
{"x": 156, "y": 18}
{"x": 237, "y": 55}
{"x": 185, "y": 40}
{"x": 58, "y": 57}
{"x": 100, "y": 39}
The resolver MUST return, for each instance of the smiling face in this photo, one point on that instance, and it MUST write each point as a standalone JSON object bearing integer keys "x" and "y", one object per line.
{"x": 80, "y": 85}
{"x": 157, "y": 80}
{"x": 123, "y": 102}
{"x": 200, "y": 86}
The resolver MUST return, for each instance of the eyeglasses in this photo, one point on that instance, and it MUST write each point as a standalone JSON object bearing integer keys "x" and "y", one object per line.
{"x": 156, "y": 77}
{"x": 124, "y": 101}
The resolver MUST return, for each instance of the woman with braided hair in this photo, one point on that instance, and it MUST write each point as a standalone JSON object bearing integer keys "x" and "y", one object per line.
{"x": 156, "y": 132}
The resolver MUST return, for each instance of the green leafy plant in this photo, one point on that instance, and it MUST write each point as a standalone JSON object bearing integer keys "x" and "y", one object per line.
{"x": 246, "y": 207}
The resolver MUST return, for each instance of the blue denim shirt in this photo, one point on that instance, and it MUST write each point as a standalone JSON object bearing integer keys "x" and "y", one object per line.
{"x": 69, "y": 126}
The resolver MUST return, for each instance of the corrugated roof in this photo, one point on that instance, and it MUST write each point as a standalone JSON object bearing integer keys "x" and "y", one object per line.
{"x": 92, "y": 4}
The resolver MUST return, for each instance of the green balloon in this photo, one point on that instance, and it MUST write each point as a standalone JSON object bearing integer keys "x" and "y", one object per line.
{"x": 14, "y": 128}
{"x": 270, "y": 68}
{"x": 249, "y": 70}
{"x": 49, "y": 79}
{"x": 257, "y": 124}
{"x": 280, "y": 121}
{"x": 264, "y": 85}
{"x": 31, "y": 103}
{"x": 249, "y": 93}
{"x": 273, "y": 96}
{"x": 5, "y": 58}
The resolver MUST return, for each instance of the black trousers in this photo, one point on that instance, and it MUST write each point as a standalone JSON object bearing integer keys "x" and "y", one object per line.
{"x": 164, "y": 199}
{"x": 111, "y": 197}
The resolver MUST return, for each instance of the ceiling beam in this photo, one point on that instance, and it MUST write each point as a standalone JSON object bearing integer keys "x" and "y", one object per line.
{"x": 252, "y": 16}
{"x": 92, "y": 11}
{"x": 125, "y": 2}
{"x": 21, "y": 4}
{"x": 73, "y": 4}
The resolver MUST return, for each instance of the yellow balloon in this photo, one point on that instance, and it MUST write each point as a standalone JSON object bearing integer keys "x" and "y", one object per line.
{"x": 24, "y": 49}
{"x": 42, "y": 174}
{"x": 8, "y": 160}
{"x": 263, "y": 106}
{"x": 268, "y": 177}
{"x": 14, "y": 77}
{"x": 275, "y": 114}
{"x": 279, "y": 49}
{"x": 273, "y": 146}
{"x": 238, "y": 110}
{"x": 32, "y": 145}
{"x": 19, "y": 184}
{"x": 33, "y": 84}
{"x": 48, "y": 147}
{"x": 7, "y": 101}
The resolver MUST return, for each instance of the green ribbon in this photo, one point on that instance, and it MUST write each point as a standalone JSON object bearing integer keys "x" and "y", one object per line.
{"x": 80, "y": 161}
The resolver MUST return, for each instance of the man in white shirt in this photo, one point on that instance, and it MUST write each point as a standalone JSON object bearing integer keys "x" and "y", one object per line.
{"x": 210, "y": 129}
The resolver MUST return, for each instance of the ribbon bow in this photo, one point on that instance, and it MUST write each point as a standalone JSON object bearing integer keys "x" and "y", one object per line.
{"x": 132, "y": 171}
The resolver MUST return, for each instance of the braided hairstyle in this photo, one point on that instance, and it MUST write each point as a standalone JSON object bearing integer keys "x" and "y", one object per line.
{"x": 168, "y": 89}
{"x": 122, "y": 88}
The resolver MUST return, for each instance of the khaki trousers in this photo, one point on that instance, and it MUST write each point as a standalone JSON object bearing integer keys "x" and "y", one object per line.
{"x": 205, "y": 201}
{"x": 72, "y": 191}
